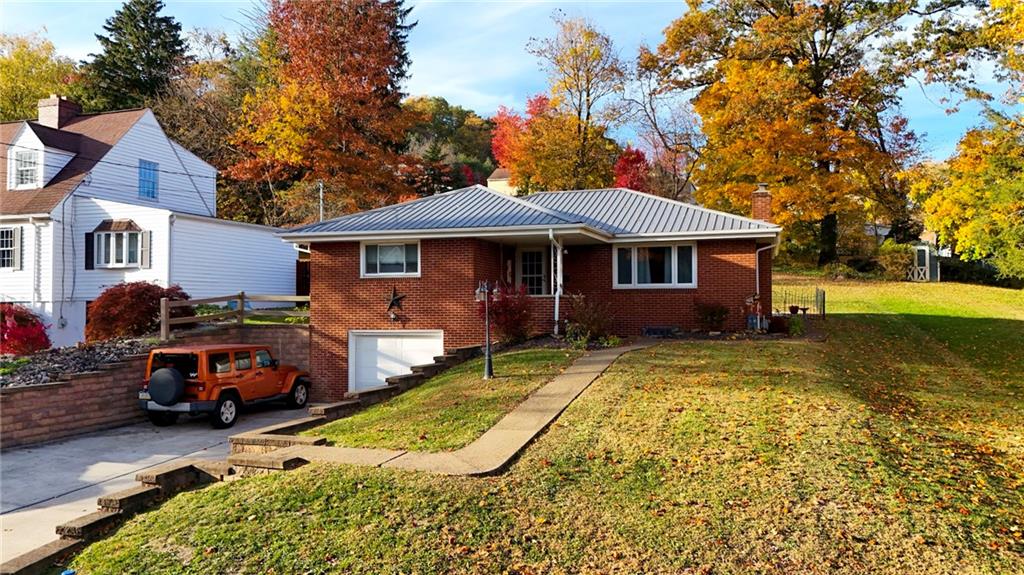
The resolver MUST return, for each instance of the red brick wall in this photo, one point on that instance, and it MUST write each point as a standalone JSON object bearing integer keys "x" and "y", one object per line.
{"x": 442, "y": 298}
{"x": 725, "y": 274}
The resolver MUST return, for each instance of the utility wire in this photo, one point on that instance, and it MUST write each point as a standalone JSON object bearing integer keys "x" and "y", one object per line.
{"x": 112, "y": 163}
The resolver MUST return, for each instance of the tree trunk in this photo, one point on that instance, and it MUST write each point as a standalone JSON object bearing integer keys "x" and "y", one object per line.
{"x": 828, "y": 240}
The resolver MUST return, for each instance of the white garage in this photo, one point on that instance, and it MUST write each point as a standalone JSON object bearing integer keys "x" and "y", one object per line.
{"x": 375, "y": 356}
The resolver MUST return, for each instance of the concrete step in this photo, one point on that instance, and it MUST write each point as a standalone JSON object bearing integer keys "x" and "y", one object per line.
{"x": 275, "y": 461}
{"x": 448, "y": 359}
{"x": 89, "y": 526}
{"x": 130, "y": 500}
{"x": 175, "y": 476}
{"x": 407, "y": 381}
{"x": 429, "y": 369}
{"x": 336, "y": 410}
{"x": 466, "y": 353}
{"x": 42, "y": 559}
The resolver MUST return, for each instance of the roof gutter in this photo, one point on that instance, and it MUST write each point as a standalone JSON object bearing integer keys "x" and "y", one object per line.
{"x": 495, "y": 231}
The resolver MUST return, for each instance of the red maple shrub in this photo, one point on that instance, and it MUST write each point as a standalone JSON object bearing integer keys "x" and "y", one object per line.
{"x": 21, "y": 331}
{"x": 131, "y": 309}
{"x": 510, "y": 313}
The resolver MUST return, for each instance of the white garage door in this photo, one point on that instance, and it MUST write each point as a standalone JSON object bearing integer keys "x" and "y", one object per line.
{"x": 375, "y": 356}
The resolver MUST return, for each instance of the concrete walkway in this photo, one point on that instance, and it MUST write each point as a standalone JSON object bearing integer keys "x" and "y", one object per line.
{"x": 493, "y": 450}
{"x": 46, "y": 485}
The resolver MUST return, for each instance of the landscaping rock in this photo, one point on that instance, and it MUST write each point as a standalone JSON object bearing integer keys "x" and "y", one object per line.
{"x": 48, "y": 366}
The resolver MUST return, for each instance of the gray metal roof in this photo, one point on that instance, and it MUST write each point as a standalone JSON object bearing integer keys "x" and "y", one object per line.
{"x": 616, "y": 212}
{"x": 472, "y": 207}
{"x": 627, "y": 212}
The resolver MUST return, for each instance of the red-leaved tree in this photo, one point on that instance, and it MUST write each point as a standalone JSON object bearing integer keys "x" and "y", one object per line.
{"x": 21, "y": 331}
{"x": 131, "y": 309}
{"x": 510, "y": 313}
{"x": 632, "y": 170}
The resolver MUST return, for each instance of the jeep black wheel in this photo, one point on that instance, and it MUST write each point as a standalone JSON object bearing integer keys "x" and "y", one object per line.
{"x": 225, "y": 414}
{"x": 299, "y": 394}
{"x": 162, "y": 418}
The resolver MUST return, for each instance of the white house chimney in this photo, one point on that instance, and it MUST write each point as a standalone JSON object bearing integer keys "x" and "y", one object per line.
{"x": 56, "y": 111}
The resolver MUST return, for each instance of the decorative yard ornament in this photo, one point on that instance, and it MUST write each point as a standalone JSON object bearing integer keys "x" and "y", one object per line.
{"x": 394, "y": 303}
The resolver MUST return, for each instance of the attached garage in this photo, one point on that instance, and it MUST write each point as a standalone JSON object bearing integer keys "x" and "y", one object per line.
{"x": 375, "y": 356}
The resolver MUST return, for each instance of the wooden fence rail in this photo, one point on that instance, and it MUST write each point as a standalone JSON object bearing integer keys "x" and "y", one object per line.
{"x": 239, "y": 313}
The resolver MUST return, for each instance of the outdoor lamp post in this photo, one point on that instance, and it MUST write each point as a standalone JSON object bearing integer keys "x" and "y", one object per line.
{"x": 483, "y": 293}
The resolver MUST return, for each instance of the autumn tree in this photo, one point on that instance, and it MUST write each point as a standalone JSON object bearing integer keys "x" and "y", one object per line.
{"x": 539, "y": 148}
{"x": 975, "y": 201}
{"x": 632, "y": 170}
{"x": 788, "y": 93}
{"x": 331, "y": 110}
{"x": 30, "y": 69}
{"x": 584, "y": 71}
{"x": 667, "y": 126}
{"x": 452, "y": 144}
{"x": 141, "y": 51}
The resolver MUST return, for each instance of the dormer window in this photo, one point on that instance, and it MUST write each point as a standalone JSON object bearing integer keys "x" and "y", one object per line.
{"x": 26, "y": 169}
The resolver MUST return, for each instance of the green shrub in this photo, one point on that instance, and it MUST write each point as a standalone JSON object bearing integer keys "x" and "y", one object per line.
{"x": 796, "y": 326}
{"x": 588, "y": 321}
{"x": 895, "y": 259}
{"x": 711, "y": 315}
{"x": 839, "y": 271}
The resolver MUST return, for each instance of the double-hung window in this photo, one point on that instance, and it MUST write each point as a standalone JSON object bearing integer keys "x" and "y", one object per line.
{"x": 655, "y": 266}
{"x": 8, "y": 248}
{"x": 391, "y": 259}
{"x": 148, "y": 179}
{"x": 26, "y": 168}
{"x": 117, "y": 249}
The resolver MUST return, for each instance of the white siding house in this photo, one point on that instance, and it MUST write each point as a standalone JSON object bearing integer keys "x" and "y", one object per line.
{"x": 90, "y": 201}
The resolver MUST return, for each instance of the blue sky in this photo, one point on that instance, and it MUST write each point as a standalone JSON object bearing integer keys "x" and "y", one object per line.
{"x": 471, "y": 53}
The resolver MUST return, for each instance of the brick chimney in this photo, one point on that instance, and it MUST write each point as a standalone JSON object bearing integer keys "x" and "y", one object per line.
{"x": 761, "y": 203}
{"x": 56, "y": 111}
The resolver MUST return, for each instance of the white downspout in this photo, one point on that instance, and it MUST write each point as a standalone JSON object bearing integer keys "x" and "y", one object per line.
{"x": 757, "y": 271}
{"x": 557, "y": 274}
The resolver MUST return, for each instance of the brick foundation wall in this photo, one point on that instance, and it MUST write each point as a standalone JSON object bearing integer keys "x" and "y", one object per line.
{"x": 86, "y": 402}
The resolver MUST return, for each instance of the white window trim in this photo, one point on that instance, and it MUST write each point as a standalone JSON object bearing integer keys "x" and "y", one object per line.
{"x": 362, "y": 260}
{"x": 545, "y": 260}
{"x": 633, "y": 261}
{"x": 14, "y": 170}
{"x": 14, "y": 246}
{"x": 98, "y": 262}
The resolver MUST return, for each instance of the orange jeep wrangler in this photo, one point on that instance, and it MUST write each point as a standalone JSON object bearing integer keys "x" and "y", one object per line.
{"x": 217, "y": 379}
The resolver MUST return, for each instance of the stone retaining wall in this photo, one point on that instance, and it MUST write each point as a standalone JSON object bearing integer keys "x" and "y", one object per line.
{"x": 85, "y": 402}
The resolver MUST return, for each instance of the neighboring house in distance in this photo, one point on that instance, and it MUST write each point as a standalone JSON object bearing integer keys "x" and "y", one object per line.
{"x": 649, "y": 259}
{"x": 498, "y": 181}
{"x": 92, "y": 200}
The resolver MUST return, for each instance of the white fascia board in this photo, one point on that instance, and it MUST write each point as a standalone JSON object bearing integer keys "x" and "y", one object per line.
{"x": 443, "y": 233}
{"x": 15, "y": 218}
{"x": 721, "y": 235}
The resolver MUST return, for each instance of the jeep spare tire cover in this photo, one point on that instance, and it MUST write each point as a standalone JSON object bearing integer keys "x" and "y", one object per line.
{"x": 166, "y": 386}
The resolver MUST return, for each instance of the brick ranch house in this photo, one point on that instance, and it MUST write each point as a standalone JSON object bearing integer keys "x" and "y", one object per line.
{"x": 651, "y": 259}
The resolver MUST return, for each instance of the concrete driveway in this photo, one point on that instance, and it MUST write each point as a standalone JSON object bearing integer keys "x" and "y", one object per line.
{"x": 44, "y": 486}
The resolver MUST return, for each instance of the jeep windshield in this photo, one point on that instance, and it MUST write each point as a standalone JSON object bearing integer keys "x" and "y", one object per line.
{"x": 187, "y": 364}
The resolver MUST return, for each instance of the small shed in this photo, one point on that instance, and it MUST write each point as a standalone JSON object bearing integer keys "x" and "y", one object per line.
{"x": 926, "y": 263}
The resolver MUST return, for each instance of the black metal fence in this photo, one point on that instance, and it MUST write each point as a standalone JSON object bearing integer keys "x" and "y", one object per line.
{"x": 796, "y": 300}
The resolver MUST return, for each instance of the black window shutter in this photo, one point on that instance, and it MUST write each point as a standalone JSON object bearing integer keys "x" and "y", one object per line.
{"x": 89, "y": 257}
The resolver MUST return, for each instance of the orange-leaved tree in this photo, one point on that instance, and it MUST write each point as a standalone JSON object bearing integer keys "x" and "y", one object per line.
{"x": 792, "y": 93}
{"x": 330, "y": 109}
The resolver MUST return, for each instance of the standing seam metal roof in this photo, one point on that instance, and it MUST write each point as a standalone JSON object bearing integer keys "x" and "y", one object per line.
{"x": 627, "y": 212}
{"x": 616, "y": 211}
{"x": 473, "y": 207}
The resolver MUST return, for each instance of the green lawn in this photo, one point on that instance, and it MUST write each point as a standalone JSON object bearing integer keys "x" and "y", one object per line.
{"x": 892, "y": 447}
{"x": 452, "y": 409}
